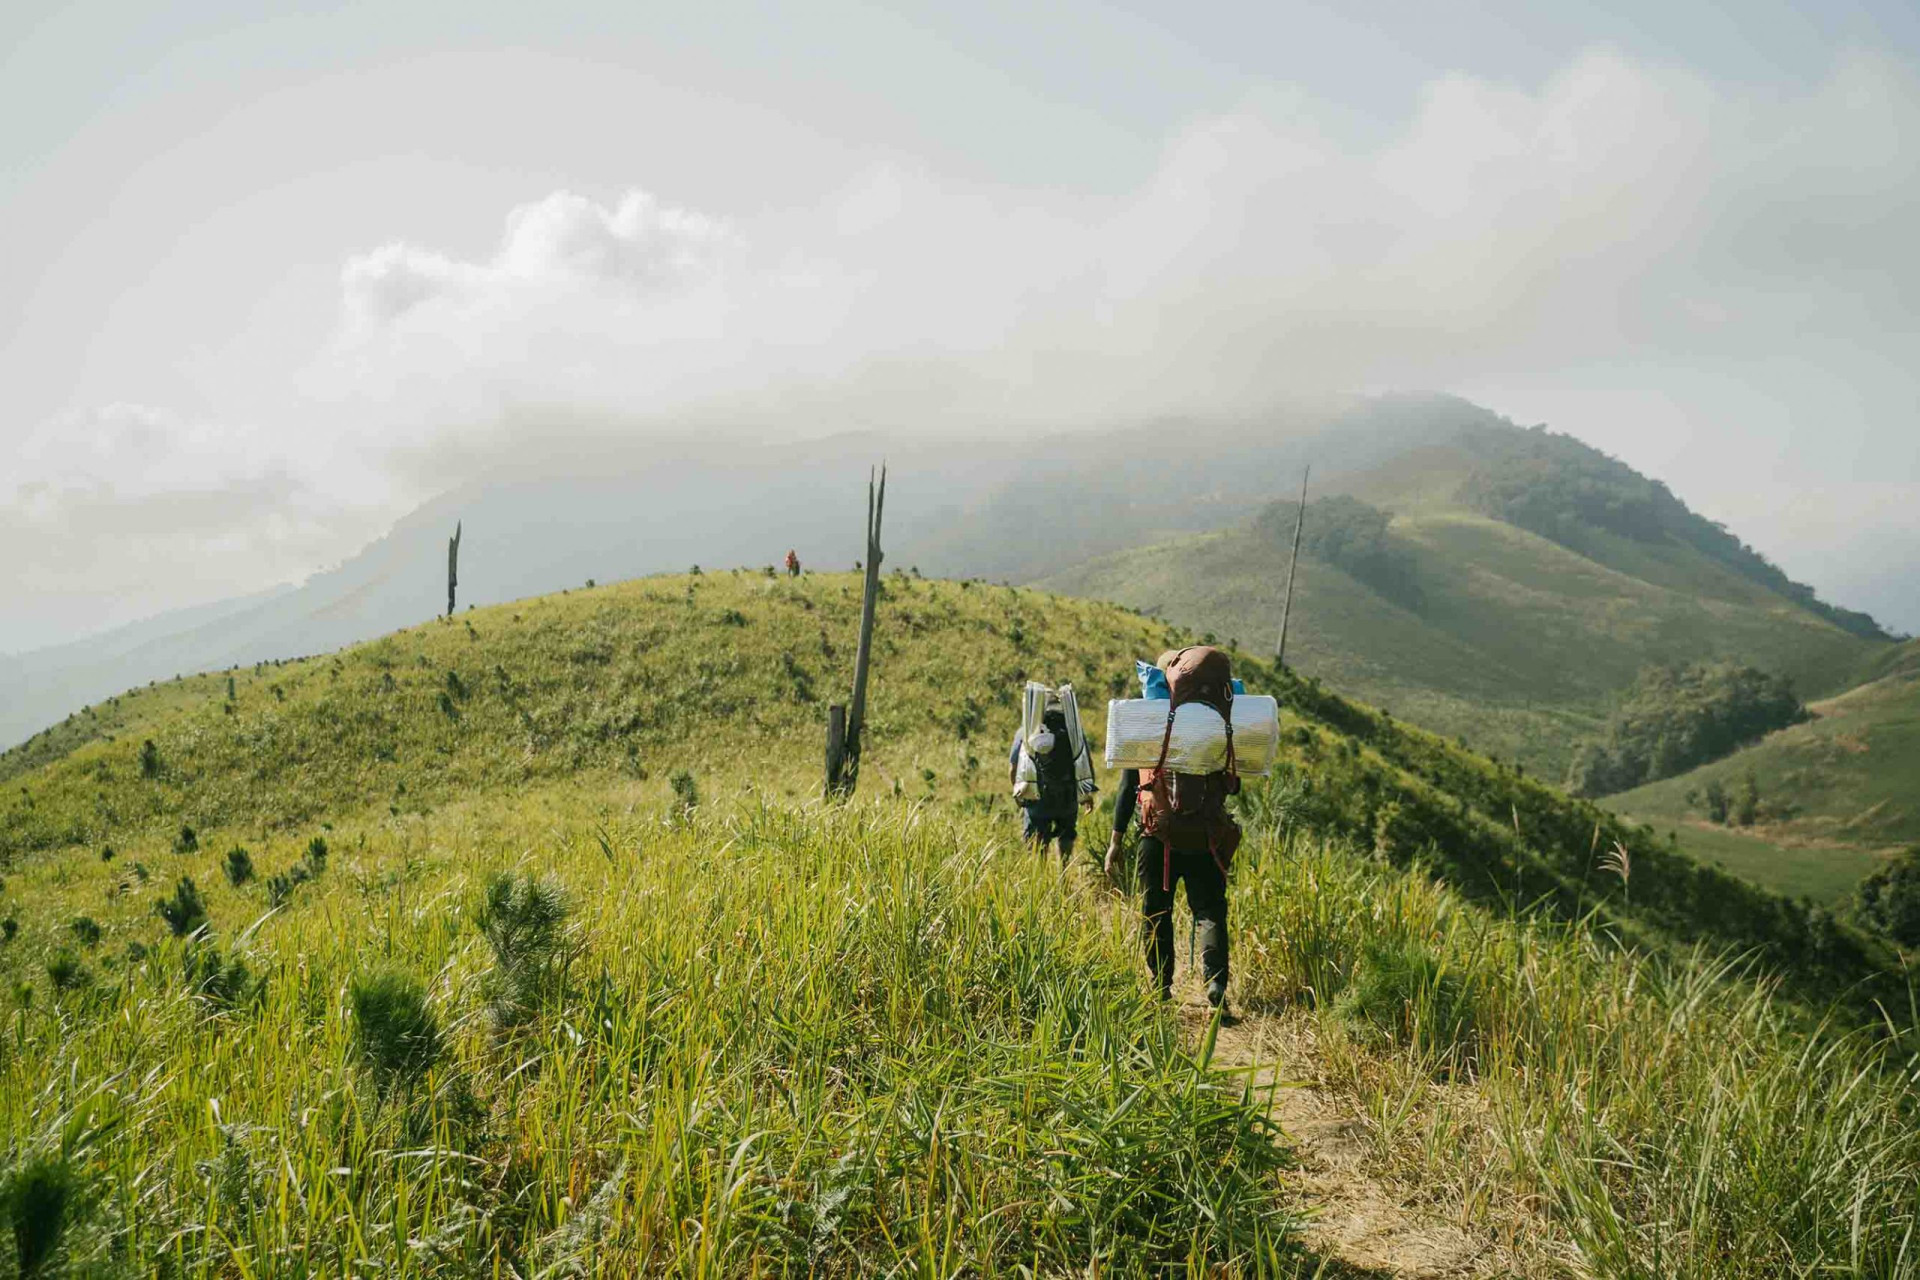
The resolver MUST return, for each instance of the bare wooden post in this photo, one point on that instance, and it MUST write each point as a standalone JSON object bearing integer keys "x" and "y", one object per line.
{"x": 842, "y": 780}
{"x": 453, "y": 565}
{"x": 1293, "y": 566}
{"x": 836, "y": 746}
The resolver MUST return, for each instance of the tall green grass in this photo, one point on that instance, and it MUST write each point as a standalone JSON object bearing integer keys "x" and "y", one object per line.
{"x": 502, "y": 996}
{"x": 1651, "y": 1115}
{"x": 791, "y": 1042}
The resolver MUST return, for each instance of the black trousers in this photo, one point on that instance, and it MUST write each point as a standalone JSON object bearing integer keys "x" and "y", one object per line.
{"x": 1206, "y": 898}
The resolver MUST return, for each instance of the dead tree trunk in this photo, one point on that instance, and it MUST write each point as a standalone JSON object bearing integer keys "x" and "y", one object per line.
{"x": 843, "y": 767}
{"x": 1293, "y": 567}
{"x": 836, "y": 746}
{"x": 453, "y": 565}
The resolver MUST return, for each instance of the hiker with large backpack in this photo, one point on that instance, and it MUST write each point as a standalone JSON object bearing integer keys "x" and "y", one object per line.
{"x": 1050, "y": 768}
{"x": 1186, "y": 833}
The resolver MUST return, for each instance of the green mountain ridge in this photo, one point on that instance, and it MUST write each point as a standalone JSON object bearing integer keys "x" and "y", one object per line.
{"x": 1502, "y": 635}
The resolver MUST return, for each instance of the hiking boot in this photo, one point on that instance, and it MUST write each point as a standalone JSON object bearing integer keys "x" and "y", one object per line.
{"x": 1217, "y": 993}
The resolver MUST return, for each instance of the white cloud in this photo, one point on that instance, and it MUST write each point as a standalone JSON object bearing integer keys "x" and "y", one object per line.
{"x": 1619, "y": 234}
{"x": 637, "y": 249}
{"x": 1615, "y": 213}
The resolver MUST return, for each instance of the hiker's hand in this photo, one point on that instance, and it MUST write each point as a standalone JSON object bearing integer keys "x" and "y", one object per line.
{"x": 1086, "y": 802}
{"x": 1112, "y": 865}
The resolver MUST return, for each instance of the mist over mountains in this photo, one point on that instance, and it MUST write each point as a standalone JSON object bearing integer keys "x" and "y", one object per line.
{"x": 1001, "y": 508}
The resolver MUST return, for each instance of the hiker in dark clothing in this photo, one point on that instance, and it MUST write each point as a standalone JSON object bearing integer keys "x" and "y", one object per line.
{"x": 1206, "y": 896}
{"x": 1186, "y": 832}
{"x": 1053, "y": 814}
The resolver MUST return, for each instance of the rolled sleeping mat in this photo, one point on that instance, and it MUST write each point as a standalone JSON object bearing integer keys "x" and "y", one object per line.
{"x": 1136, "y": 726}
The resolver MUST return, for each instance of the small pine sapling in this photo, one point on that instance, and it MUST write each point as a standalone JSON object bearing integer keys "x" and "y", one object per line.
{"x": 394, "y": 1028}
{"x": 65, "y": 971}
{"x": 239, "y": 866}
{"x": 524, "y": 922}
{"x": 185, "y": 912}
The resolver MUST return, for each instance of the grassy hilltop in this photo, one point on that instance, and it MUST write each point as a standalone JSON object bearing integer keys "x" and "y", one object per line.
{"x": 550, "y": 962}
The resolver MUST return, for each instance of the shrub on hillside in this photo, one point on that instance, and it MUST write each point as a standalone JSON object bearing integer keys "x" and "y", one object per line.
{"x": 1676, "y": 718}
{"x": 281, "y": 885}
{"x": 65, "y": 971}
{"x": 1719, "y": 804}
{"x": 239, "y": 866}
{"x": 1889, "y": 899}
{"x": 221, "y": 980}
{"x": 1746, "y": 809}
{"x": 186, "y": 911}
{"x": 42, "y": 1198}
{"x": 524, "y": 922}
{"x": 394, "y": 1028}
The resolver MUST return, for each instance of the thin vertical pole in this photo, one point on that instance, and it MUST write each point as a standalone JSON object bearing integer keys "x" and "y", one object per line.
{"x": 453, "y": 565}
{"x": 1293, "y": 567}
{"x": 847, "y": 776}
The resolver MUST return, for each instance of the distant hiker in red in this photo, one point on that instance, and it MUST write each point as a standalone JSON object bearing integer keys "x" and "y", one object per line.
{"x": 793, "y": 565}
{"x": 1186, "y": 832}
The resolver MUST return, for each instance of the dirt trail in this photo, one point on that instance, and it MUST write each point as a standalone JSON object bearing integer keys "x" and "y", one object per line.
{"x": 1358, "y": 1219}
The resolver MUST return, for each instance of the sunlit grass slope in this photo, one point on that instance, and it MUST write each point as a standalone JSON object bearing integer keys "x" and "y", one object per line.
{"x": 722, "y": 678}
{"x": 1836, "y": 792}
{"x": 721, "y": 675}
{"x": 776, "y": 1042}
{"x": 761, "y": 1036}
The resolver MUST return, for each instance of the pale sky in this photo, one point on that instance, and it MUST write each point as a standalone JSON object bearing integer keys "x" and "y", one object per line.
{"x": 271, "y": 280}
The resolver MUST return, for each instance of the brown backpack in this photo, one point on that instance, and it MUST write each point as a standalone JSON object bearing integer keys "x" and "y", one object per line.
{"x": 1191, "y": 808}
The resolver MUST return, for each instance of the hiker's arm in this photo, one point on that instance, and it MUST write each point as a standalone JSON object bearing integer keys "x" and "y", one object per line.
{"x": 1123, "y": 803}
{"x": 1013, "y": 762}
{"x": 1124, "y": 800}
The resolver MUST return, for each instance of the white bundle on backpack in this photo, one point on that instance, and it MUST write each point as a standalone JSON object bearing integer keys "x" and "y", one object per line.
{"x": 1026, "y": 774}
{"x": 1198, "y": 744}
{"x": 1037, "y": 740}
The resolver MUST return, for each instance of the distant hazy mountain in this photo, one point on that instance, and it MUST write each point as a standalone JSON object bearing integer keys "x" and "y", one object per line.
{"x": 992, "y": 508}
{"x": 1019, "y": 509}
